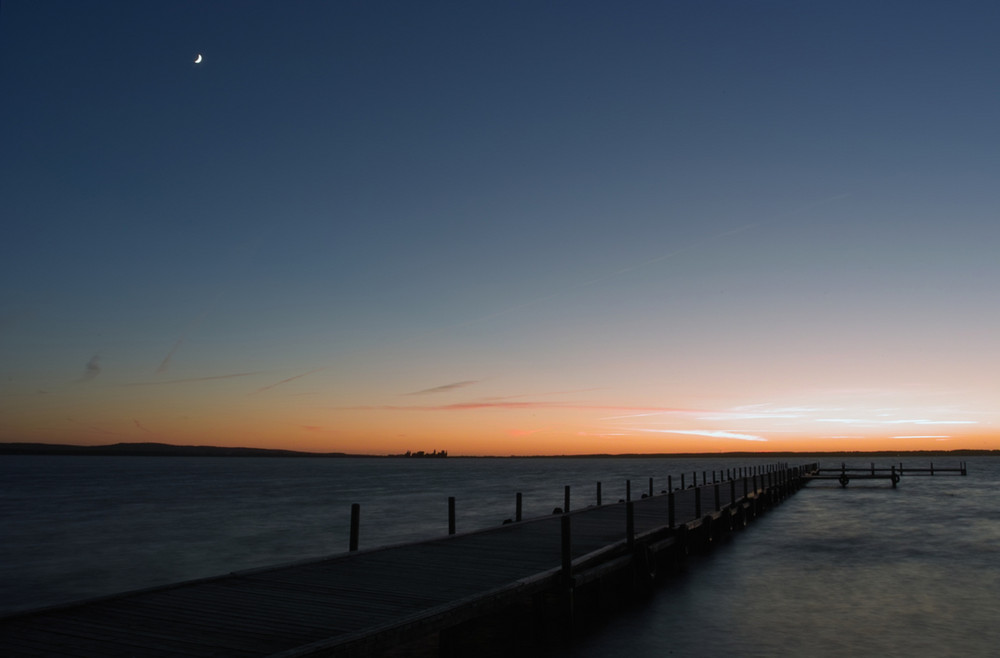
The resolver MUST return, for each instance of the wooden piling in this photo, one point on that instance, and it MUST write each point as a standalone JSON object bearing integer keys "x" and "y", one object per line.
{"x": 451, "y": 515}
{"x": 566, "y": 499}
{"x": 628, "y": 490}
{"x": 630, "y": 523}
{"x": 651, "y": 487}
{"x": 517, "y": 507}
{"x": 355, "y": 526}
{"x": 598, "y": 494}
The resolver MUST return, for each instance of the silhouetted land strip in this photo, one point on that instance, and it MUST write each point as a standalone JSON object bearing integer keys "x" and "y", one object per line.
{"x": 156, "y": 450}
{"x": 169, "y": 450}
{"x": 507, "y": 590}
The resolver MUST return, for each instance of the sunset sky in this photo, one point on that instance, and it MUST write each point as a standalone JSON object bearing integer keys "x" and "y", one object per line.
{"x": 501, "y": 228}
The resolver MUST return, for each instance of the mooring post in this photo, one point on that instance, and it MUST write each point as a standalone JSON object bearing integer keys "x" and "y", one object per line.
{"x": 704, "y": 477}
{"x": 697, "y": 502}
{"x": 628, "y": 490}
{"x": 932, "y": 468}
{"x": 694, "y": 478}
{"x": 630, "y": 523}
{"x": 355, "y": 526}
{"x": 670, "y": 483}
{"x": 451, "y": 515}
{"x": 650, "y": 487}
{"x": 566, "y": 500}
{"x": 598, "y": 494}
{"x": 670, "y": 509}
{"x": 715, "y": 485}
{"x": 517, "y": 507}
{"x": 682, "y": 481}
{"x": 873, "y": 468}
{"x": 893, "y": 477}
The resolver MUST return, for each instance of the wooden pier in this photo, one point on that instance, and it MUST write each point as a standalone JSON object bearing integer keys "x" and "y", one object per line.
{"x": 501, "y": 591}
{"x": 845, "y": 474}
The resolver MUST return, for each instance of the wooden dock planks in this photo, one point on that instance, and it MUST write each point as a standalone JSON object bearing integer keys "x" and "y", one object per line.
{"x": 296, "y": 608}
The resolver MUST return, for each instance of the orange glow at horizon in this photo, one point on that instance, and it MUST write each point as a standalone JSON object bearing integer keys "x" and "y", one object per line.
{"x": 488, "y": 426}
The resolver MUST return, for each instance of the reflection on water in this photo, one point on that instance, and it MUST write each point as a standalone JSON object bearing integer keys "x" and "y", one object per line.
{"x": 864, "y": 570}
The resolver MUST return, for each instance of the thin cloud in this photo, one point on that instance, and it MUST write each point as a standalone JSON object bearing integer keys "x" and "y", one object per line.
{"x": 165, "y": 364}
{"x": 92, "y": 369}
{"x": 908, "y": 421}
{"x": 524, "y": 395}
{"x": 715, "y": 434}
{"x": 445, "y": 388}
{"x": 196, "y": 379}
{"x": 726, "y": 415}
{"x": 515, "y": 405}
{"x": 658, "y": 412}
{"x": 140, "y": 426}
{"x": 285, "y": 381}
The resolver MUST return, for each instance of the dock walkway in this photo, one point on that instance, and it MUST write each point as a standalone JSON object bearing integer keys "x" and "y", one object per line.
{"x": 369, "y": 602}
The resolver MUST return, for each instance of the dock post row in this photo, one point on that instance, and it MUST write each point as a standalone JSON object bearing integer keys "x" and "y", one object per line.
{"x": 503, "y": 590}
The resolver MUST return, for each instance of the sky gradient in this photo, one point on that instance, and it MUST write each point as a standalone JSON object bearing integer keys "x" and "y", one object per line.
{"x": 501, "y": 228}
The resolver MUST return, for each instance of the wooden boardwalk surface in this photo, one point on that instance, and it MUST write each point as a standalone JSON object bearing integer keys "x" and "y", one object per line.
{"x": 360, "y": 603}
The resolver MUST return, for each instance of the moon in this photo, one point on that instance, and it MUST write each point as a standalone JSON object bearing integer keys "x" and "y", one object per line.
{"x": 197, "y": 60}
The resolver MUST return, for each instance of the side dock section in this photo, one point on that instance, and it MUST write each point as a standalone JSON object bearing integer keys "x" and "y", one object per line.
{"x": 510, "y": 589}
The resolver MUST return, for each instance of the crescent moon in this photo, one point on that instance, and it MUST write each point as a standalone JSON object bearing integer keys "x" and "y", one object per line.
{"x": 197, "y": 60}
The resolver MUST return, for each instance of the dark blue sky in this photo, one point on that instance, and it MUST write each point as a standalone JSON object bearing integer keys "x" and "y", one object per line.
{"x": 706, "y": 205}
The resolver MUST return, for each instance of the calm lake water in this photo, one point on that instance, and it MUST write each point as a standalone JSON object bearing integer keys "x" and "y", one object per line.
{"x": 866, "y": 570}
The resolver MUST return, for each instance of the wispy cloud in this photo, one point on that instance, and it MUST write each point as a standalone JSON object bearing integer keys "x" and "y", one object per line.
{"x": 902, "y": 421}
{"x": 141, "y": 427}
{"x": 165, "y": 364}
{"x": 195, "y": 379}
{"x": 657, "y": 412}
{"x": 715, "y": 434}
{"x": 512, "y": 404}
{"x": 444, "y": 388}
{"x": 91, "y": 369}
{"x": 285, "y": 381}
{"x": 746, "y": 415}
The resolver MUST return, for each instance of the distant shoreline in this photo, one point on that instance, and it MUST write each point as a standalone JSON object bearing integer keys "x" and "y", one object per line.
{"x": 169, "y": 450}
